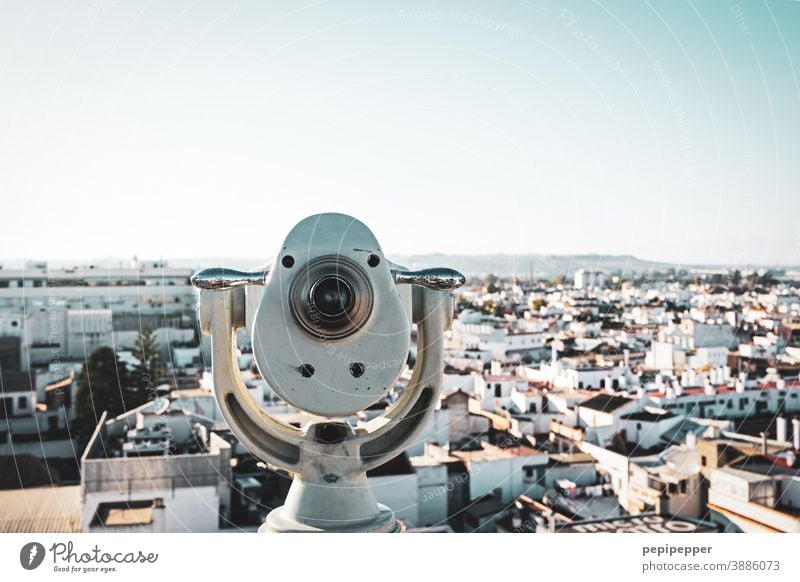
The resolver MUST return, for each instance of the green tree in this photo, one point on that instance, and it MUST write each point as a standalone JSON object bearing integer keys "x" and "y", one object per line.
{"x": 104, "y": 384}
{"x": 537, "y": 304}
{"x": 488, "y": 307}
{"x": 490, "y": 283}
{"x": 147, "y": 373}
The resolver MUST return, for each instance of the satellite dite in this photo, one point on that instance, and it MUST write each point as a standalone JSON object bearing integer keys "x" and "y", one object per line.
{"x": 330, "y": 323}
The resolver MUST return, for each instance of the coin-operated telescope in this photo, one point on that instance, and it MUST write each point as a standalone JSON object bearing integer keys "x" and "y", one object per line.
{"x": 330, "y": 324}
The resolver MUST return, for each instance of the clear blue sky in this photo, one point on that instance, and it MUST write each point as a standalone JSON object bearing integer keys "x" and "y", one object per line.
{"x": 668, "y": 130}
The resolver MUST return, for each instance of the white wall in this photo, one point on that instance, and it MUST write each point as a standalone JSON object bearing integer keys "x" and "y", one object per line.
{"x": 186, "y": 509}
{"x": 400, "y": 493}
{"x": 506, "y": 474}
{"x": 433, "y": 493}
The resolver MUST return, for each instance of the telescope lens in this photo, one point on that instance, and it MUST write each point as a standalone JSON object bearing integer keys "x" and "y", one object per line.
{"x": 331, "y": 296}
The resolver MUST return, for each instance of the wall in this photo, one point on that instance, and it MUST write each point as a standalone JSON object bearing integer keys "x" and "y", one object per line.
{"x": 186, "y": 509}
{"x": 506, "y": 474}
{"x": 400, "y": 493}
{"x": 433, "y": 492}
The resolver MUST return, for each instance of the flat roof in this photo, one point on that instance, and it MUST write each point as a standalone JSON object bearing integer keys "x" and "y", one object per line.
{"x": 491, "y": 452}
{"x": 647, "y": 416}
{"x": 606, "y": 402}
{"x": 41, "y": 510}
{"x": 743, "y": 474}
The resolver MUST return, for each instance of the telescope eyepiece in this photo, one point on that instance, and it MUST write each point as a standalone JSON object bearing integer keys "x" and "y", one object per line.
{"x": 332, "y": 297}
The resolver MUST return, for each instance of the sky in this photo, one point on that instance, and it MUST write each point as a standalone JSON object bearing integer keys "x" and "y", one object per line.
{"x": 668, "y": 130}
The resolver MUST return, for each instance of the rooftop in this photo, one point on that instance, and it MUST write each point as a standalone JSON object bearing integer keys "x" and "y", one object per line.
{"x": 491, "y": 452}
{"x": 648, "y": 416}
{"x": 40, "y": 510}
{"x": 606, "y": 402}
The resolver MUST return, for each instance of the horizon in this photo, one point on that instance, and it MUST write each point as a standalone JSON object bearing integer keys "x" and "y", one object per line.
{"x": 239, "y": 261}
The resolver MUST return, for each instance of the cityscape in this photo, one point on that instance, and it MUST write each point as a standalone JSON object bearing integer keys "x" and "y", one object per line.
{"x": 367, "y": 267}
{"x": 599, "y": 399}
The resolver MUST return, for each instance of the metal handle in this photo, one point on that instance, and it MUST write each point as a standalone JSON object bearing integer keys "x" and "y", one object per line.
{"x": 437, "y": 278}
{"x": 222, "y": 278}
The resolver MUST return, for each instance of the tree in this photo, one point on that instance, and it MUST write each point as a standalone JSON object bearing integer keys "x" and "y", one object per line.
{"x": 463, "y": 303}
{"x": 537, "y": 304}
{"x": 488, "y": 307}
{"x": 490, "y": 283}
{"x": 104, "y": 384}
{"x": 147, "y": 373}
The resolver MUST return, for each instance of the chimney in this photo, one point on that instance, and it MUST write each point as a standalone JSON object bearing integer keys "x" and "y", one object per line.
{"x": 627, "y": 358}
{"x": 764, "y": 443}
{"x": 709, "y": 388}
{"x": 780, "y": 384}
{"x": 640, "y": 391}
{"x": 796, "y": 434}
{"x": 781, "y": 426}
{"x": 739, "y": 386}
{"x": 678, "y": 389}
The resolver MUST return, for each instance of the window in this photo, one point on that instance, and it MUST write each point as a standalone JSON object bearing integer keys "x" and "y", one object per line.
{"x": 22, "y": 402}
{"x": 703, "y": 461}
{"x": 638, "y": 426}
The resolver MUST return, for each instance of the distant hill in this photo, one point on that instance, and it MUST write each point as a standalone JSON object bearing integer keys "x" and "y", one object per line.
{"x": 539, "y": 265}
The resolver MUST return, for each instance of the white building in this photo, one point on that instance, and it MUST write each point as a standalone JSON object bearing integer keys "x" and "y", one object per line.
{"x": 589, "y": 279}
{"x": 155, "y": 470}
{"x": 495, "y": 391}
{"x": 65, "y": 313}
